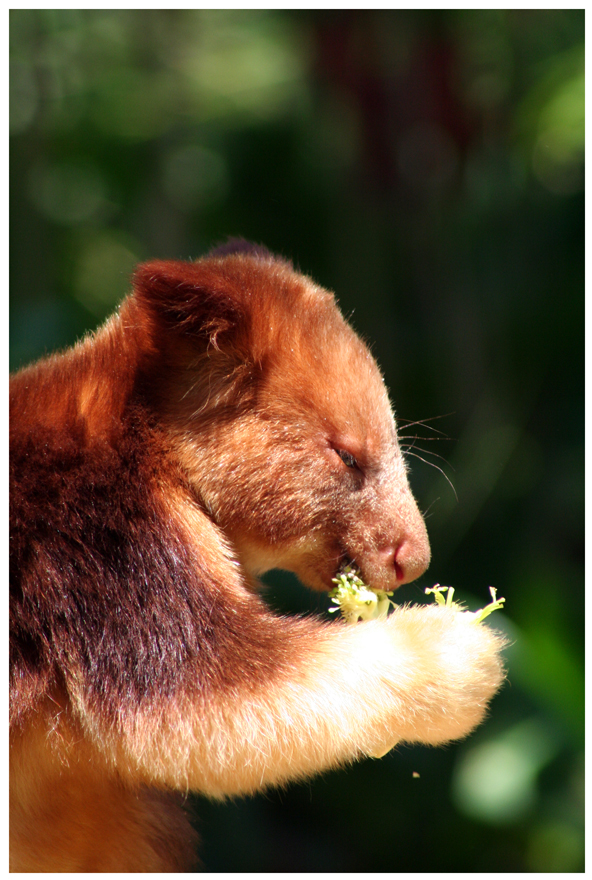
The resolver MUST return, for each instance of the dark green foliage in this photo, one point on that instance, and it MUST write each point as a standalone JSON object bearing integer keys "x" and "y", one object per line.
{"x": 428, "y": 167}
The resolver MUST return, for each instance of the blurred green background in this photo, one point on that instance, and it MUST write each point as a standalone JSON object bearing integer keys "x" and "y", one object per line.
{"x": 428, "y": 167}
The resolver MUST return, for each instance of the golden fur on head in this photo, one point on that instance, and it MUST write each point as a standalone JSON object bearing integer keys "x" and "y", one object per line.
{"x": 226, "y": 421}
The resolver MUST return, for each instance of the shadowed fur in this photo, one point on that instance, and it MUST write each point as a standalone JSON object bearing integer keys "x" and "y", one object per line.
{"x": 225, "y": 422}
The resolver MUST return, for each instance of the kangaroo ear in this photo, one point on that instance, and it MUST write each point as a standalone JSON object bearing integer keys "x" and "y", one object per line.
{"x": 199, "y": 298}
{"x": 241, "y": 246}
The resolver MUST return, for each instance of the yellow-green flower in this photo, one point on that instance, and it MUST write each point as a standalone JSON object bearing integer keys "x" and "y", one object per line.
{"x": 477, "y": 616}
{"x": 355, "y": 600}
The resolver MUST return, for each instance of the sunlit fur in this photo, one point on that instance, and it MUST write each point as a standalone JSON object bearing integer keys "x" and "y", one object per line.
{"x": 157, "y": 468}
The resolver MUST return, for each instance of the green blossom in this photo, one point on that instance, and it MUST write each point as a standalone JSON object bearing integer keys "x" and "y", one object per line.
{"x": 355, "y": 600}
{"x": 477, "y": 616}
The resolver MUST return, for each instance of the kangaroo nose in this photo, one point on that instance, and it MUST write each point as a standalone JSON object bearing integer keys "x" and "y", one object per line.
{"x": 409, "y": 558}
{"x": 413, "y": 554}
{"x": 412, "y": 558}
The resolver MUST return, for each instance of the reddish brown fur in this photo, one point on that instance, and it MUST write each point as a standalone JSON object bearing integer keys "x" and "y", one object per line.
{"x": 157, "y": 468}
